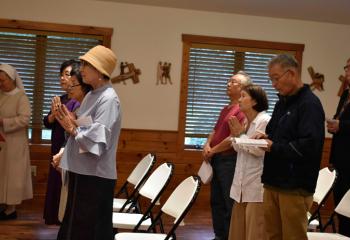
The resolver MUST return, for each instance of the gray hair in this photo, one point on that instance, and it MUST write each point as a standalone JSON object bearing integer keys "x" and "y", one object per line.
{"x": 246, "y": 77}
{"x": 285, "y": 61}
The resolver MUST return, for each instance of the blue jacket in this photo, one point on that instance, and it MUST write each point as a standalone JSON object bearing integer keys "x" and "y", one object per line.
{"x": 297, "y": 131}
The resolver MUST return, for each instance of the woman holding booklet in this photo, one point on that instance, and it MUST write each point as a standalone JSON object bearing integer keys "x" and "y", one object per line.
{"x": 247, "y": 221}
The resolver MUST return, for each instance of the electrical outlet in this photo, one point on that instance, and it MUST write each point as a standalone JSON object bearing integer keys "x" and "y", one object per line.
{"x": 33, "y": 168}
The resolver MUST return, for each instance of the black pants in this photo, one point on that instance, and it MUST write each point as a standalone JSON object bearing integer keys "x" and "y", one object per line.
{"x": 342, "y": 185}
{"x": 220, "y": 201}
{"x": 89, "y": 209}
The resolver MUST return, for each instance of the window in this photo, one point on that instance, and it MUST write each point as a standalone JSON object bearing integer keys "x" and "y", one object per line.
{"x": 208, "y": 63}
{"x": 37, "y": 51}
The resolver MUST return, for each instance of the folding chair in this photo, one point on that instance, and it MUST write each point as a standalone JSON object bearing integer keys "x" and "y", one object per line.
{"x": 177, "y": 206}
{"x": 151, "y": 190}
{"x": 137, "y": 177}
{"x": 325, "y": 183}
{"x": 342, "y": 208}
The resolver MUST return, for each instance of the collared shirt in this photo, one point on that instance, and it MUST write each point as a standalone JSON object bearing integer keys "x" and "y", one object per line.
{"x": 93, "y": 150}
{"x": 221, "y": 129}
{"x": 246, "y": 185}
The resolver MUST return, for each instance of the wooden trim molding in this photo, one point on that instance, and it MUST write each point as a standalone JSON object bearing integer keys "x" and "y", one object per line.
{"x": 106, "y": 33}
{"x": 243, "y": 42}
{"x": 183, "y": 96}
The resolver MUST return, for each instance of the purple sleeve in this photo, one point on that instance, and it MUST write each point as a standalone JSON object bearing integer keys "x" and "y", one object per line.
{"x": 72, "y": 104}
{"x": 46, "y": 121}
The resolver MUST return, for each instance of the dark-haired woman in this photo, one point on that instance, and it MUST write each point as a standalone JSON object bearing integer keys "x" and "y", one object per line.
{"x": 76, "y": 90}
{"x": 54, "y": 183}
{"x": 247, "y": 221}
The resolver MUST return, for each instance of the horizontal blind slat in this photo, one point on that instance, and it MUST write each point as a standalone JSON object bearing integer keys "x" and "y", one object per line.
{"x": 208, "y": 72}
{"x": 20, "y": 50}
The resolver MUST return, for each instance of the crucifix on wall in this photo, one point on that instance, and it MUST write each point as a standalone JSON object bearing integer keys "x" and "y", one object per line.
{"x": 163, "y": 73}
{"x": 317, "y": 79}
{"x": 132, "y": 73}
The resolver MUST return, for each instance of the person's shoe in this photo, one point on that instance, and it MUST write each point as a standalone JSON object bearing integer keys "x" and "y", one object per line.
{"x": 11, "y": 216}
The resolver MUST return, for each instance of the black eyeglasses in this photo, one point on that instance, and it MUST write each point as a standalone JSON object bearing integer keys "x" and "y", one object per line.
{"x": 273, "y": 80}
{"x": 346, "y": 68}
{"x": 72, "y": 86}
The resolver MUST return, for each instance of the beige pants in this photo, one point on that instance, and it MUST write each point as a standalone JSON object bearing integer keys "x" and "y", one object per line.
{"x": 247, "y": 221}
{"x": 285, "y": 215}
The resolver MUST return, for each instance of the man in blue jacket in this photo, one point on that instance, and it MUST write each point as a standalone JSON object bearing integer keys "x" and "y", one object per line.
{"x": 295, "y": 136}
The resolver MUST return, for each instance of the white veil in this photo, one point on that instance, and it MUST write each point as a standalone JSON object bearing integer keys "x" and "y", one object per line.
{"x": 13, "y": 74}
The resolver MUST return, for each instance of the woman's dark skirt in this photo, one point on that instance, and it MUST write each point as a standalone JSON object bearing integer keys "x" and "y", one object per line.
{"x": 52, "y": 198}
{"x": 89, "y": 209}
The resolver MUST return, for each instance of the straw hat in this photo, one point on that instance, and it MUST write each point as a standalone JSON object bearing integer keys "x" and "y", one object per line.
{"x": 101, "y": 58}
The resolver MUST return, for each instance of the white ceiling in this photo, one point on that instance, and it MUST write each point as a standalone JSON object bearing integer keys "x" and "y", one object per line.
{"x": 333, "y": 11}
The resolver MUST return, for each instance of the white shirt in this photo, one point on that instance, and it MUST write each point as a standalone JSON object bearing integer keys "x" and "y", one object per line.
{"x": 246, "y": 185}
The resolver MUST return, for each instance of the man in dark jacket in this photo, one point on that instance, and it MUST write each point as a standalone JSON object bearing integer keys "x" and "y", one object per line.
{"x": 295, "y": 136}
{"x": 340, "y": 128}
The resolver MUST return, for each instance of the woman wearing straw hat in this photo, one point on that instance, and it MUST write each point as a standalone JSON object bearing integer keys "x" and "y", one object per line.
{"x": 15, "y": 174}
{"x": 90, "y": 152}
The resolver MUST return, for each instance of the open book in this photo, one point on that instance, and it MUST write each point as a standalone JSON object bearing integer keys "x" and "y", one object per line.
{"x": 251, "y": 142}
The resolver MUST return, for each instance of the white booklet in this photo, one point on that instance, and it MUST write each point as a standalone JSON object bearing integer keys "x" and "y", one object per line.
{"x": 205, "y": 172}
{"x": 251, "y": 142}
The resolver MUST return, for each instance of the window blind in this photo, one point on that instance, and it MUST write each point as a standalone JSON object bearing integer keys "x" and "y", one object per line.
{"x": 209, "y": 70}
{"x": 18, "y": 50}
{"x": 37, "y": 56}
{"x": 58, "y": 50}
{"x": 255, "y": 64}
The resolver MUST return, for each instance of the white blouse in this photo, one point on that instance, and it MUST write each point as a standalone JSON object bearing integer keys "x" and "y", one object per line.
{"x": 246, "y": 185}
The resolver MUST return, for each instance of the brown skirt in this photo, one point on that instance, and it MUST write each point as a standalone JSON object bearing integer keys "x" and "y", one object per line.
{"x": 88, "y": 213}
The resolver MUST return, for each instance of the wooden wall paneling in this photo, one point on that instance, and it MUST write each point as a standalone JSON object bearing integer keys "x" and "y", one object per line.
{"x": 40, "y": 155}
{"x": 133, "y": 146}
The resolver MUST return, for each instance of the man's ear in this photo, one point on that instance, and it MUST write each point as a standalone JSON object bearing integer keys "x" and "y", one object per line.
{"x": 294, "y": 72}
